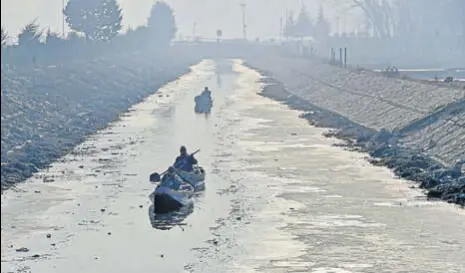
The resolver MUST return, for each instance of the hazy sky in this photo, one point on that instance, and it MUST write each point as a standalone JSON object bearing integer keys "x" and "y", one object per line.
{"x": 263, "y": 16}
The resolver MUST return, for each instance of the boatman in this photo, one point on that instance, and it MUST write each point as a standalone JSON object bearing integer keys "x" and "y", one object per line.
{"x": 169, "y": 180}
{"x": 206, "y": 92}
{"x": 185, "y": 161}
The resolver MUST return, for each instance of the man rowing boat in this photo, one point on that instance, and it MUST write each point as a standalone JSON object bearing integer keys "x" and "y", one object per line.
{"x": 185, "y": 161}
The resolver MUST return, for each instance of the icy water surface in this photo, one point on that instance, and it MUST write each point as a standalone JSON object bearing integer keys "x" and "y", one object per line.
{"x": 279, "y": 196}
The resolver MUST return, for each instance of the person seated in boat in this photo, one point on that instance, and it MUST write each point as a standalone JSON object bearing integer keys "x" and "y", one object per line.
{"x": 169, "y": 180}
{"x": 185, "y": 161}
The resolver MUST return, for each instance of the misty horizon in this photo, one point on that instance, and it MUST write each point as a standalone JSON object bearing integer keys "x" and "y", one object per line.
{"x": 412, "y": 33}
{"x": 207, "y": 15}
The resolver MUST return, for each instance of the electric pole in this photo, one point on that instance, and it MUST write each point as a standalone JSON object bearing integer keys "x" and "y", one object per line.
{"x": 63, "y": 17}
{"x": 286, "y": 25}
{"x": 244, "y": 26}
{"x": 345, "y": 24}
{"x": 193, "y": 31}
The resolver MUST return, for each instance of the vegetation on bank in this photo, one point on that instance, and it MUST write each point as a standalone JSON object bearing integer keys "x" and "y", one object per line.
{"x": 407, "y": 34}
{"x": 95, "y": 32}
{"x": 57, "y": 90}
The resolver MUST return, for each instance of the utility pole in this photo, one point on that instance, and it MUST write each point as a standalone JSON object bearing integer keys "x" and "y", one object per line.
{"x": 63, "y": 17}
{"x": 287, "y": 21}
{"x": 345, "y": 24}
{"x": 244, "y": 26}
{"x": 193, "y": 31}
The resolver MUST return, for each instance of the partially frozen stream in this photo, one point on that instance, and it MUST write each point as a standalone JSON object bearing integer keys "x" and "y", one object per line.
{"x": 279, "y": 197}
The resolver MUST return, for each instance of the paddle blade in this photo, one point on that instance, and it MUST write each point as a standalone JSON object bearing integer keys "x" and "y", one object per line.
{"x": 155, "y": 177}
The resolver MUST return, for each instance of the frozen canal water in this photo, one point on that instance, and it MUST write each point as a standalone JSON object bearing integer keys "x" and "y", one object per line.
{"x": 279, "y": 197}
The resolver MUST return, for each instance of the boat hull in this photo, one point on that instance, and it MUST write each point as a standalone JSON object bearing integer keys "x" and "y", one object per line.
{"x": 196, "y": 178}
{"x": 167, "y": 200}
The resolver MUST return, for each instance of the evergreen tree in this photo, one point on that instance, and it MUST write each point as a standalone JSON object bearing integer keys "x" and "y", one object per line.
{"x": 322, "y": 27}
{"x": 303, "y": 26}
{"x": 29, "y": 35}
{"x": 290, "y": 26}
{"x": 161, "y": 24}
{"x": 98, "y": 20}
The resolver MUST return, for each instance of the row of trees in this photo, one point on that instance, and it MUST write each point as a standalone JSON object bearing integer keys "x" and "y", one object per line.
{"x": 303, "y": 26}
{"x": 410, "y": 19}
{"x": 404, "y": 32}
{"x": 94, "y": 23}
{"x": 384, "y": 19}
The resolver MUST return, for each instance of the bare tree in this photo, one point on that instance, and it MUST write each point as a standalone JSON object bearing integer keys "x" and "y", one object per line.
{"x": 380, "y": 14}
{"x": 4, "y": 37}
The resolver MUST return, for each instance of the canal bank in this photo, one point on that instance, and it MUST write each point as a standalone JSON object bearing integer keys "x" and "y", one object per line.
{"x": 280, "y": 196}
{"x": 414, "y": 128}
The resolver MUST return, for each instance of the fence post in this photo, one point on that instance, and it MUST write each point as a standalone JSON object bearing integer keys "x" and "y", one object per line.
{"x": 340, "y": 57}
{"x": 345, "y": 57}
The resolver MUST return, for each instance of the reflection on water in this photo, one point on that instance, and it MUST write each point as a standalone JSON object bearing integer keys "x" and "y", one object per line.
{"x": 166, "y": 221}
{"x": 219, "y": 82}
{"x": 206, "y": 115}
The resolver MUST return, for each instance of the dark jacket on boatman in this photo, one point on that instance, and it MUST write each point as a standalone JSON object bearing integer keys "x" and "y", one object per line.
{"x": 185, "y": 161}
{"x": 207, "y": 92}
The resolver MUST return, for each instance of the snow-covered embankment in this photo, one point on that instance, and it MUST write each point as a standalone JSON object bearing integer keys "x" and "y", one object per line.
{"x": 415, "y": 128}
{"x": 46, "y": 111}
